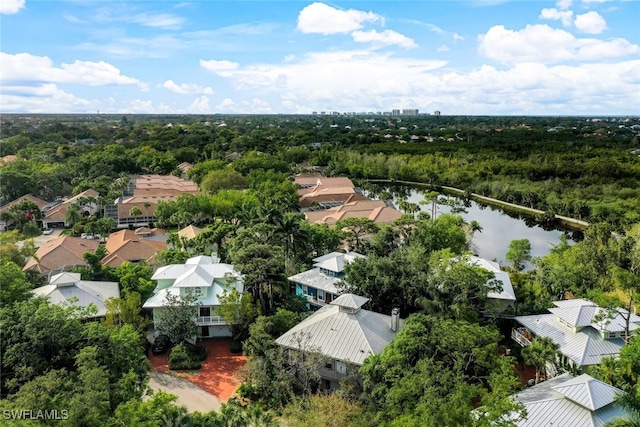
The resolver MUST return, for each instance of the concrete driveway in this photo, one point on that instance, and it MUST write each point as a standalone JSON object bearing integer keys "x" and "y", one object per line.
{"x": 189, "y": 395}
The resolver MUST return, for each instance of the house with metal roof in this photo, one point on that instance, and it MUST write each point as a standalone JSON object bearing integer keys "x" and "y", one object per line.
{"x": 569, "y": 401}
{"x": 70, "y": 289}
{"x": 318, "y": 285}
{"x": 506, "y": 296}
{"x": 206, "y": 278}
{"x": 584, "y": 332}
{"x": 343, "y": 334}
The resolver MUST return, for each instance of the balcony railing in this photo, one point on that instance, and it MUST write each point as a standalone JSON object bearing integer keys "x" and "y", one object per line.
{"x": 316, "y": 301}
{"x": 211, "y": 320}
{"x": 522, "y": 336}
{"x": 330, "y": 374}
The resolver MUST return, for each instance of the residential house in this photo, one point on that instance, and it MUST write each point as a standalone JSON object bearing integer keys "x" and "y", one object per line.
{"x": 376, "y": 210}
{"x": 204, "y": 277}
{"x": 131, "y": 246}
{"x": 144, "y": 192}
{"x": 190, "y": 232}
{"x": 53, "y": 214}
{"x": 507, "y": 296}
{"x": 60, "y": 254}
{"x": 69, "y": 288}
{"x": 322, "y": 192}
{"x": 4, "y": 224}
{"x": 570, "y": 401}
{"x": 318, "y": 285}
{"x": 584, "y": 332}
{"x": 343, "y": 334}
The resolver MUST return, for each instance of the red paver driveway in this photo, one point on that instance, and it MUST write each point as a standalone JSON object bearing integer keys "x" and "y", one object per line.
{"x": 217, "y": 375}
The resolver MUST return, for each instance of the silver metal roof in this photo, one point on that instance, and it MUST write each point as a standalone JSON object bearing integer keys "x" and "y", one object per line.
{"x": 350, "y": 301}
{"x": 87, "y": 292}
{"x": 335, "y": 261}
{"x": 341, "y": 335}
{"x": 316, "y": 279}
{"x": 565, "y": 401}
{"x": 585, "y": 347}
{"x": 507, "y": 292}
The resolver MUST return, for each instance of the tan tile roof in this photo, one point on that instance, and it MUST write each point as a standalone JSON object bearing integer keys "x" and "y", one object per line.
{"x": 190, "y": 231}
{"x": 39, "y": 202}
{"x": 375, "y": 210}
{"x": 126, "y": 245}
{"x": 57, "y": 213}
{"x": 61, "y": 251}
{"x": 324, "y": 184}
{"x": 167, "y": 183}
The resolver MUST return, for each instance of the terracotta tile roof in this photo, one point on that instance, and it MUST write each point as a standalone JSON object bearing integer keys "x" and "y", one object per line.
{"x": 190, "y": 231}
{"x": 39, "y": 202}
{"x": 61, "y": 251}
{"x": 375, "y": 210}
{"x": 57, "y": 213}
{"x": 126, "y": 245}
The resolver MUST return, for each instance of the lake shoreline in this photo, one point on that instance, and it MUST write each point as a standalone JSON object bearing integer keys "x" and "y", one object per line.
{"x": 572, "y": 224}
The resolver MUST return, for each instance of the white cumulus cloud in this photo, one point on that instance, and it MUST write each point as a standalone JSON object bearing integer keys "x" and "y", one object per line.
{"x": 24, "y": 67}
{"x": 222, "y": 67}
{"x": 199, "y": 106}
{"x": 443, "y": 48}
{"x": 384, "y": 38}
{"x": 566, "y": 16}
{"x": 320, "y": 18}
{"x": 532, "y": 44}
{"x": 564, "y": 4}
{"x": 457, "y": 37}
{"x": 11, "y": 7}
{"x": 187, "y": 88}
{"x": 591, "y": 23}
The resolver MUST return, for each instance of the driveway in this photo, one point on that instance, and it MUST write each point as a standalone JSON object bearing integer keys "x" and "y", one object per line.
{"x": 189, "y": 395}
{"x": 218, "y": 373}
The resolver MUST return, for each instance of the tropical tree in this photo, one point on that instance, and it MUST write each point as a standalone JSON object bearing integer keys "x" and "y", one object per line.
{"x": 519, "y": 252}
{"x": 177, "y": 318}
{"x": 135, "y": 212}
{"x": 73, "y": 215}
{"x": 356, "y": 229}
{"x": 541, "y": 351}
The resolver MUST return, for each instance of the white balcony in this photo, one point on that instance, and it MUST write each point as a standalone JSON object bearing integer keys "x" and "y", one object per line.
{"x": 211, "y": 320}
{"x": 522, "y": 336}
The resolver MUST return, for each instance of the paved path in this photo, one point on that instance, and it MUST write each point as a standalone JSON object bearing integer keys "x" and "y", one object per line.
{"x": 189, "y": 395}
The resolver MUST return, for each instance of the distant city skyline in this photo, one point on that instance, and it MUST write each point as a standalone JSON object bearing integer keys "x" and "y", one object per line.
{"x": 474, "y": 57}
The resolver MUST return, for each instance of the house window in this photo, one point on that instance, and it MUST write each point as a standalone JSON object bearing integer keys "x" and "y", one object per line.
{"x": 613, "y": 335}
{"x": 198, "y": 291}
{"x": 328, "y": 364}
{"x": 205, "y": 311}
{"x": 321, "y": 295}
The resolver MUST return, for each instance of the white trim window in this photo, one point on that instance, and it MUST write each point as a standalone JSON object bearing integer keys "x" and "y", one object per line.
{"x": 197, "y": 290}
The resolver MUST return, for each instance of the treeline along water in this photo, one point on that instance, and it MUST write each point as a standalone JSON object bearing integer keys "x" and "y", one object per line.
{"x": 499, "y": 227}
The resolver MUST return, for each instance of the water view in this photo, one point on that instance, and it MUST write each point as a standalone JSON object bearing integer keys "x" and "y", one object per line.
{"x": 498, "y": 229}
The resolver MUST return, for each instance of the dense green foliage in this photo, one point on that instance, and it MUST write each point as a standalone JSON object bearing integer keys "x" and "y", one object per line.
{"x": 445, "y": 361}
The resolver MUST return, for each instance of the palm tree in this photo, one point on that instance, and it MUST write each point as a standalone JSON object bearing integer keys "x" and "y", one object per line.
{"x": 541, "y": 351}
{"x": 73, "y": 215}
{"x": 135, "y": 212}
{"x": 472, "y": 228}
{"x": 631, "y": 404}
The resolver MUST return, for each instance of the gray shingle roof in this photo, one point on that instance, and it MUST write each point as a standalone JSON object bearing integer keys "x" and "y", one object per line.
{"x": 342, "y": 335}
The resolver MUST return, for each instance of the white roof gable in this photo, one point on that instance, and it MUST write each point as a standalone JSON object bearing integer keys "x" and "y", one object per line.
{"x": 335, "y": 261}
{"x": 588, "y": 392}
{"x": 65, "y": 278}
{"x": 507, "y": 288}
{"x": 86, "y": 292}
{"x": 350, "y": 301}
{"x": 569, "y": 402}
{"x": 196, "y": 276}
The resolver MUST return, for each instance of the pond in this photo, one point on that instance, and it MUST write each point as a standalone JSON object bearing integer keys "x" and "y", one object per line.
{"x": 498, "y": 227}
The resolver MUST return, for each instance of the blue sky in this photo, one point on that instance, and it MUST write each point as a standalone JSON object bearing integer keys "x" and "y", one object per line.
{"x": 477, "y": 57}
